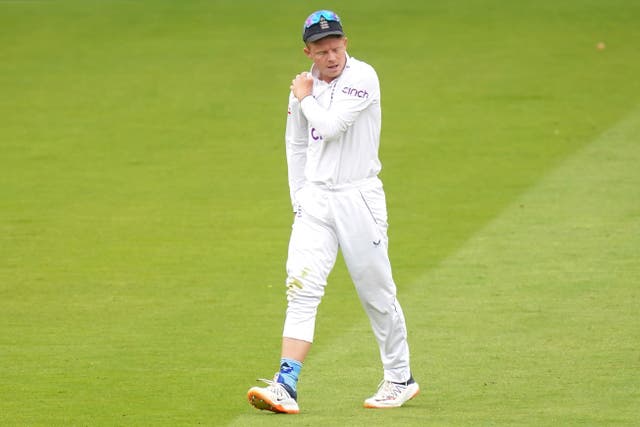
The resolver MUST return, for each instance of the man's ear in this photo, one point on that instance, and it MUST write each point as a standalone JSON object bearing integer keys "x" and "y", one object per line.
{"x": 307, "y": 51}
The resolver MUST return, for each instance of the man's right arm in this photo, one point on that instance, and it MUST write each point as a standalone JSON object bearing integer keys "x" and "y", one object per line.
{"x": 296, "y": 139}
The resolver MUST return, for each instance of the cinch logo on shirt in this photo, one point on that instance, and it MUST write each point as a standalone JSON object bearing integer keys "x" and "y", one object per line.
{"x": 355, "y": 92}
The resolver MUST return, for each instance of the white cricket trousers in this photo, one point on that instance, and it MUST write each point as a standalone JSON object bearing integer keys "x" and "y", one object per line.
{"x": 354, "y": 219}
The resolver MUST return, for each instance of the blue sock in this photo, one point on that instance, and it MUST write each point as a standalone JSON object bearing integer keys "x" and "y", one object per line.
{"x": 288, "y": 375}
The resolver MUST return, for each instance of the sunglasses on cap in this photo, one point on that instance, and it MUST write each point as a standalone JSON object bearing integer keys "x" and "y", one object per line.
{"x": 317, "y": 16}
{"x": 320, "y": 24}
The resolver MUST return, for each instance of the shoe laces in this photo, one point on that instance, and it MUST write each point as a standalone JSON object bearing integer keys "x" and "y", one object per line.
{"x": 276, "y": 388}
{"x": 388, "y": 390}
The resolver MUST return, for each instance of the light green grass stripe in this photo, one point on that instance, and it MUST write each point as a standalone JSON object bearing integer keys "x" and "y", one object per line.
{"x": 545, "y": 300}
{"x": 532, "y": 322}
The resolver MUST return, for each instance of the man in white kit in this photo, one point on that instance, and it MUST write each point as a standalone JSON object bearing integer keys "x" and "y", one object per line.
{"x": 332, "y": 139}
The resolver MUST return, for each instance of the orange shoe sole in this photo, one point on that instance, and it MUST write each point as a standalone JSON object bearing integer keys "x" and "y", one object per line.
{"x": 257, "y": 400}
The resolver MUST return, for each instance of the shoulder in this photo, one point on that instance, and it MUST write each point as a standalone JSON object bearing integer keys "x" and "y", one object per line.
{"x": 293, "y": 101}
{"x": 360, "y": 69}
{"x": 359, "y": 77}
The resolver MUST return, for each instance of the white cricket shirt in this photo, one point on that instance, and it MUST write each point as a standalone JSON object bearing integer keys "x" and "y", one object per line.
{"x": 332, "y": 138}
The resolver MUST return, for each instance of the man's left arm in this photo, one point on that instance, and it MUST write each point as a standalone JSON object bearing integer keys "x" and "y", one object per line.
{"x": 351, "y": 97}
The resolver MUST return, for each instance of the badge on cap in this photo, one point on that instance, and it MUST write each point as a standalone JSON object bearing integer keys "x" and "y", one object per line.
{"x": 324, "y": 25}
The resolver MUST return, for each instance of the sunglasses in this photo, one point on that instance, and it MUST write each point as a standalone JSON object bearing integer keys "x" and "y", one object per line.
{"x": 316, "y": 17}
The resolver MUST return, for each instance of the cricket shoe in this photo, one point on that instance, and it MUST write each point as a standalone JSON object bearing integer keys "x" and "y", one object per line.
{"x": 275, "y": 397}
{"x": 393, "y": 395}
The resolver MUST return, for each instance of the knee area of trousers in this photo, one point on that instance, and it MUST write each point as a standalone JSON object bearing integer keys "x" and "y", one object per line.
{"x": 301, "y": 284}
{"x": 383, "y": 307}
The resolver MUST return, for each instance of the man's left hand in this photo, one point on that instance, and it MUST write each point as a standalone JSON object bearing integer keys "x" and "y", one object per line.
{"x": 302, "y": 85}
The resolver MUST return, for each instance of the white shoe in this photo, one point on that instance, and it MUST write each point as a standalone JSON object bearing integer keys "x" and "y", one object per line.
{"x": 392, "y": 395}
{"x": 274, "y": 397}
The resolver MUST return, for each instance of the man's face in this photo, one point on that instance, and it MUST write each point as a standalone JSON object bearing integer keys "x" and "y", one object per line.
{"x": 328, "y": 55}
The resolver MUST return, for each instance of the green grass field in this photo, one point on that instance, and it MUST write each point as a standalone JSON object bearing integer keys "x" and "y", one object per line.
{"x": 144, "y": 212}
